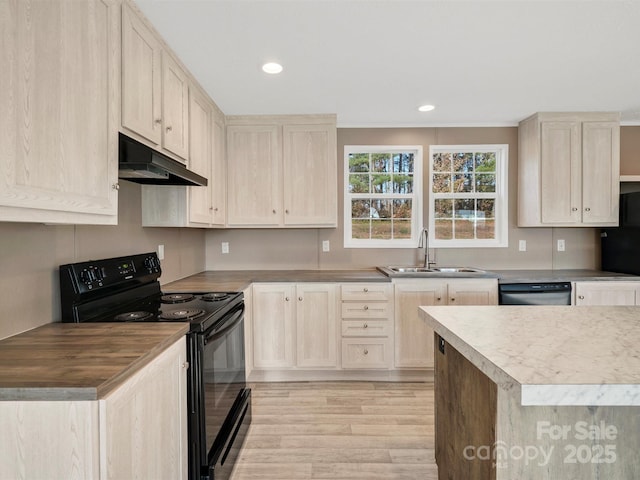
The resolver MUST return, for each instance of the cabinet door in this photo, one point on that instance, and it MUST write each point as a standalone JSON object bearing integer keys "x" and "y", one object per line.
{"x": 273, "y": 309}
{"x": 58, "y": 123}
{"x": 200, "y": 157}
{"x": 607, "y": 293}
{"x": 175, "y": 108}
{"x": 254, "y": 175}
{"x": 218, "y": 178}
{"x": 316, "y": 322}
{"x": 560, "y": 172}
{"x": 473, "y": 292}
{"x": 310, "y": 171}
{"x": 601, "y": 167}
{"x": 413, "y": 339}
{"x": 141, "y": 78}
{"x": 145, "y": 419}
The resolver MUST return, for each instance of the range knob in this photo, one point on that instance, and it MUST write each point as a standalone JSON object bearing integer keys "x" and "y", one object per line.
{"x": 152, "y": 264}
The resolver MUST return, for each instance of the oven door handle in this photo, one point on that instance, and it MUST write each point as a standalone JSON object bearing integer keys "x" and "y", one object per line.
{"x": 228, "y": 325}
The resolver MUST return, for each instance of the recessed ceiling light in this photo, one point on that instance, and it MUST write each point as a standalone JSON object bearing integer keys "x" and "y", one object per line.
{"x": 272, "y": 68}
{"x": 426, "y": 108}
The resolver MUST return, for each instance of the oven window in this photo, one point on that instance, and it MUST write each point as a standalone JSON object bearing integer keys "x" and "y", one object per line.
{"x": 224, "y": 377}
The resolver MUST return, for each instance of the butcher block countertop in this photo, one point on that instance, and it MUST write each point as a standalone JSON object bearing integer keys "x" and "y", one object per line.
{"x": 236, "y": 280}
{"x": 86, "y": 361}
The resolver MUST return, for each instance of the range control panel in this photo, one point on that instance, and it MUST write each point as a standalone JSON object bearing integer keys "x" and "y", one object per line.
{"x": 79, "y": 278}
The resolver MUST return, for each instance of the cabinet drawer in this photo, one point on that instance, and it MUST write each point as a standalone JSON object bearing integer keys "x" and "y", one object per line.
{"x": 366, "y": 292}
{"x": 365, "y": 310}
{"x": 365, "y": 328}
{"x": 365, "y": 353}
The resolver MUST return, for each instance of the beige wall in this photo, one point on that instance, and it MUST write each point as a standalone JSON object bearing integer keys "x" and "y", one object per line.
{"x": 291, "y": 249}
{"x": 31, "y": 253}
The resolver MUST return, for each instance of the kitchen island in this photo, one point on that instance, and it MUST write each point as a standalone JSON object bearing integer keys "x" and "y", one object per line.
{"x": 542, "y": 393}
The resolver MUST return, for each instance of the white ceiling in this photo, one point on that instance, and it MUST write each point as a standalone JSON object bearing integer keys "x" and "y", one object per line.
{"x": 373, "y": 62}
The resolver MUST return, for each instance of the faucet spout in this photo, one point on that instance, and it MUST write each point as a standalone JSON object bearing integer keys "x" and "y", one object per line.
{"x": 424, "y": 242}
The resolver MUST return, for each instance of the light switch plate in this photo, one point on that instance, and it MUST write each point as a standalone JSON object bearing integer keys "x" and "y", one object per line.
{"x": 160, "y": 252}
{"x": 326, "y": 246}
{"x": 561, "y": 245}
{"x": 225, "y": 247}
{"x": 522, "y": 245}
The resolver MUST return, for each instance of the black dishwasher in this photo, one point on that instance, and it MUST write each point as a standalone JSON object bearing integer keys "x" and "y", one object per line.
{"x": 556, "y": 293}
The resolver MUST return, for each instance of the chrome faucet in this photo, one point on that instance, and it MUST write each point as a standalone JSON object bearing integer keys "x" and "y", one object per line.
{"x": 424, "y": 243}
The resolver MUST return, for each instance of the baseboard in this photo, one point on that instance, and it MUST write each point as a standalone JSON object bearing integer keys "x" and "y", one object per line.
{"x": 422, "y": 375}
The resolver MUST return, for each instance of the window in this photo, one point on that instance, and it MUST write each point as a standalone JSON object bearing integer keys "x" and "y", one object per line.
{"x": 468, "y": 195}
{"x": 383, "y": 196}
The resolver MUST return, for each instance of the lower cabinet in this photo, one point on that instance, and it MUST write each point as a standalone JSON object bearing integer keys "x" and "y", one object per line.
{"x": 413, "y": 339}
{"x": 607, "y": 293}
{"x": 294, "y": 325}
{"x": 137, "y": 431}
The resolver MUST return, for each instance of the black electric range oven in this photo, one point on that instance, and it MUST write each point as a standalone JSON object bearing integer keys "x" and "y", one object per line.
{"x": 126, "y": 289}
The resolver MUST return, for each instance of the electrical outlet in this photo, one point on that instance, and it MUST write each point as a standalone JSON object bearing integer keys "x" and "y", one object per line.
{"x": 561, "y": 245}
{"x": 326, "y": 246}
{"x": 160, "y": 252}
{"x": 522, "y": 245}
{"x": 225, "y": 247}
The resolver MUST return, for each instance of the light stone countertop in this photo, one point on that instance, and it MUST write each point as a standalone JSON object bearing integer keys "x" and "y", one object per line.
{"x": 555, "y": 355}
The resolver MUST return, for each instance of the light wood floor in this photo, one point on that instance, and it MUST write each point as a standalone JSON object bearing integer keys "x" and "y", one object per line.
{"x": 340, "y": 430}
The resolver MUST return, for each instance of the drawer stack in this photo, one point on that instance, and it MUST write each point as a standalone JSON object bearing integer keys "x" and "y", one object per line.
{"x": 367, "y": 313}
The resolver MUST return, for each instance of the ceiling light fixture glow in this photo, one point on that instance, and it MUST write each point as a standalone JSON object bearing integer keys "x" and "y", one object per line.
{"x": 426, "y": 108}
{"x": 272, "y": 68}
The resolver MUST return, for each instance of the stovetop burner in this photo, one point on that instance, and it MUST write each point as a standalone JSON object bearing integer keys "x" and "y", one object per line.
{"x": 215, "y": 297}
{"x": 177, "y": 298}
{"x": 133, "y": 316}
{"x": 181, "y": 314}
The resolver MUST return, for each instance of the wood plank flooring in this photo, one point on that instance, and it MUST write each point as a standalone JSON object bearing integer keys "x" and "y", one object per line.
{"x": 340, "y": 430}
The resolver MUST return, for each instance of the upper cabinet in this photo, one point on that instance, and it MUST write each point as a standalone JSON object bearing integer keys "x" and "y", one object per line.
{"x": 283, "y": 170}
{"x": 568, "y": 170}
{"x": 155, "y": 89}
{"x": 59, "y": 120}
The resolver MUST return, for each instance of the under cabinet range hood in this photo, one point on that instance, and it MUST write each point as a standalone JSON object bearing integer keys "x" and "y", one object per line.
{"x": 142, "y": 164}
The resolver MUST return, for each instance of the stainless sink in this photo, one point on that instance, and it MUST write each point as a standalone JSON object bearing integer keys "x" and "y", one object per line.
{"x": 420, "y": 271}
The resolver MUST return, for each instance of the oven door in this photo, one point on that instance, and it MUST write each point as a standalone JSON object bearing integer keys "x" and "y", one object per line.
{"x": 224, "y": 398}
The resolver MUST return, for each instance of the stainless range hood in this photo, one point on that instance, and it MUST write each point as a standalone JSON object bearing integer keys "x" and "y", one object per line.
{"x": 141, "y": 164}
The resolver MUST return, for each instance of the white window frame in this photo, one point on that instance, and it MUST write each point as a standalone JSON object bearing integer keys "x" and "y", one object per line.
{"x": 416, "y": 198}
{"x": 501, "y": 195}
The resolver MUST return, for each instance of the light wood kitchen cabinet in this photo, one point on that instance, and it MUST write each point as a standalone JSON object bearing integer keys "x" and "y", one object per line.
{"x": 568, "y": 169}
{"x": 294, "y": 325}
{"x": 607, "y": 293}
{"x": 137, "y": 431}
{"x": 367, "y": 336}
{"x": 202, "y": 206}
{"x": 284, "y": 171}
{"x": 155, "y": 100}
{"x": 413, "y": 339}
{"x": 59, "y": 121}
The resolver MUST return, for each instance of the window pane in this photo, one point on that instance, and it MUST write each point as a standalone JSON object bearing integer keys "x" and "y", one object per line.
{"x": 381, "y": 162}
{"x": 443, "y": 208}
{"x": 403, "y": 184}
{"x": 464, "y": 229}
{"x": 358, "y": 162}
{"x": 486, "y": 208}
{"x": 444, "y": 229}
{"x": 360, "y": 229}
{"x": 402, "y": 209}
{"x": 485, "y": 182}
{"x": 465, "y": 208}
{"x": 360, "y": 208}
{"x": 381, "y": 183}
{"x": 402, "y": 229}
{"x": 463, "y": 183}
{"x": 403, "y": 162}
{"x": 359, "y": 183}
{"x": 463, "y": 162}
{"x": 381, "y": 208}
{"x": 485, "y": 162}
{"x": 442, "y": 162}
{"x": 486, "y": 229}
{"x": 381, "y": 229}
{"x": 441, "y": 183}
